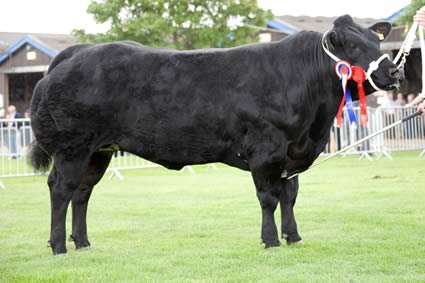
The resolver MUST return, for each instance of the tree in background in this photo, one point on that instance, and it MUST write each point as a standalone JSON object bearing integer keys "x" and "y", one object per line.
{"x": 181, "y": 24}
{"x": 407, "y": 17}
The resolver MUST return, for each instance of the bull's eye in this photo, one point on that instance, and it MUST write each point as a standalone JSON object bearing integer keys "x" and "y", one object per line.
{"x": 352, "y": 45}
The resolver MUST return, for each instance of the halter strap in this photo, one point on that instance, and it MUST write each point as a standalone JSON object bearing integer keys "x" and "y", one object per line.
{"x": 326, "y": 47}
{"x": 373, "y": 66}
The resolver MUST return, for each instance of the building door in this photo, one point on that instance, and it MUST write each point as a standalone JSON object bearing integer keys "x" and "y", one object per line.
{"x": 21, "y": 87}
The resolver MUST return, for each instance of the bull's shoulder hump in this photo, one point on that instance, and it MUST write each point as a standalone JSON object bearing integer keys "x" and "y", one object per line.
{"x": 67, "y": 53}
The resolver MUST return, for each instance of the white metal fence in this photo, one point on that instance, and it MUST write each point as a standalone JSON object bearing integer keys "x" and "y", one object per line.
{"x": 408, "y": 136}
{"x": 16, "y": 135}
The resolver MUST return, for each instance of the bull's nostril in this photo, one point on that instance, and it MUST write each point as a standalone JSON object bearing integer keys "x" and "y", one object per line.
{"x": 395, "y": 73}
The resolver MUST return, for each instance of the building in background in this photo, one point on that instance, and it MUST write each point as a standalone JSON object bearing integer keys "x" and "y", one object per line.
{"x": 24, "y": 59}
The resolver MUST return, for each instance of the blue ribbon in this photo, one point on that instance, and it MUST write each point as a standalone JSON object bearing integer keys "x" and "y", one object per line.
{"x": 349, "y": 103}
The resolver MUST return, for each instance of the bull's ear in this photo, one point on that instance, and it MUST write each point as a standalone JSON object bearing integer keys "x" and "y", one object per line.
{"x": 382, "y": 29}
{"x": 343, "y": 21}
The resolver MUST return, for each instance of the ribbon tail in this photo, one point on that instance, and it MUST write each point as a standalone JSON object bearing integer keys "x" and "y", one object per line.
{"x": 363, "y": 105}
{"x": 339, "y": 115}
{"x": 350, "y": 110}
{"x": 343, "y": 101}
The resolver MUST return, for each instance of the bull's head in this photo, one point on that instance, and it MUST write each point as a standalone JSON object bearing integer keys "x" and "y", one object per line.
{"x": 360, "y": 46}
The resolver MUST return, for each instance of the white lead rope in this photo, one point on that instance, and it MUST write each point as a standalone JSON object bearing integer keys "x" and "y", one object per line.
{"x": 416, "y": 114}
{"x": 407, "y": 46}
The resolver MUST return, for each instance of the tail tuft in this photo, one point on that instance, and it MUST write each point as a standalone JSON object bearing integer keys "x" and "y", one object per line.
{"x": 40, "y": 159}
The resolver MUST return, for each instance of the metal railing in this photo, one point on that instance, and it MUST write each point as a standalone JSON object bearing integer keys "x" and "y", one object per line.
{"x": 408, "y": 136}
{"x": 16, "y": 135}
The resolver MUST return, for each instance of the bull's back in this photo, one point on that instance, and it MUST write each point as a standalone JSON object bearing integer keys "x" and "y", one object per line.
{"x": 156, "y": 103}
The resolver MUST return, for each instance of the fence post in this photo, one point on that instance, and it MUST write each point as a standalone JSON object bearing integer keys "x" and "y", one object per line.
{"x": 116, "y": 173}
{"x": 188, "y": 167}
{"x": 382, "y": 149}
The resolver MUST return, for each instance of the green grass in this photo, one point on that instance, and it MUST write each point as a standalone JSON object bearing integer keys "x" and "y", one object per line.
{"x": 361, "y": 221}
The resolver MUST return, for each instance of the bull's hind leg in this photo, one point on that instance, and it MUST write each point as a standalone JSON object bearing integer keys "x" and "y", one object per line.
{"x": 288, "y": 197}
{"x": 64, "y": 179}
{"x": 99, "y": 162}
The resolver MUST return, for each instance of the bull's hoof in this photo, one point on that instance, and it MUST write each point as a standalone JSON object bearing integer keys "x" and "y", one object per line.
{"x": 82, "y": 249}
{"x": 271, "y": 244}
{"x": 57, "y": 250}
{"x": 79, "y": 245}
{"x": 292, "y": 239}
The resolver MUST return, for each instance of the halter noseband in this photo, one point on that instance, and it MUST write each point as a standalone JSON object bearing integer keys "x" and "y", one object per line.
{"x": 373, "y": 66}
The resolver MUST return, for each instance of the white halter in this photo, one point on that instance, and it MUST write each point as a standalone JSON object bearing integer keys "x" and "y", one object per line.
{"x": 373, "y": 66}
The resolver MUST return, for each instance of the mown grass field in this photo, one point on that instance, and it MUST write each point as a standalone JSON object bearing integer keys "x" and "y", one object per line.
{"x": 361, "y": 221}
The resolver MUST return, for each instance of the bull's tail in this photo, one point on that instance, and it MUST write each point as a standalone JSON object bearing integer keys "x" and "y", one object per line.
{"x": 40, "y": 159}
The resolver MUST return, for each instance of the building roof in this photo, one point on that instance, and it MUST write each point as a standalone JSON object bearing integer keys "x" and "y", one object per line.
{"x": 396, "y": 15}
{"x": 282, "y": 26}
{"x": 50, "y": 44}
{"x": 319, "y": 24}
{"x": 292, "y": 24}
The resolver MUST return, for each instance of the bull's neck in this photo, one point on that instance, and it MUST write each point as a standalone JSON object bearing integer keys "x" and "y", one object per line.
{"x": 322, "y": 86}
{"x": 322, "y": 83}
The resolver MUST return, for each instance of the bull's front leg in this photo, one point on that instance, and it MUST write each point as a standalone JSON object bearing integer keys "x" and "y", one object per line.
{"x": 288, "y": 197}
{"x": 268, "y": 188}
{"x": 300, "y": 157}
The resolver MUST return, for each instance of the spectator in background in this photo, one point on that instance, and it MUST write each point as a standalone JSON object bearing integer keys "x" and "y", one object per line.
{"x": 410, "y": 99}
{"x": 12, "y": 130}
{"x": 400, "y": 100}
{"x": 12, "y": 113}
{"x": 388, "y": 104}
{"x": 27, "y": 114}
{"x": 388, "y": 107}
{"x": 399, "y": 113}
{"x": 409, "y": 126}
{"x": 26, "y": 130}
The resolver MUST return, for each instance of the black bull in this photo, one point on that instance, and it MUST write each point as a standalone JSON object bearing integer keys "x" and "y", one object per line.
{"x": 265, "y": 108}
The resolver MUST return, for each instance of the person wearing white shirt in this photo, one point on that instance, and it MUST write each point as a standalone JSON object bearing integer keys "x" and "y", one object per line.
{"x": 420, "y": 19}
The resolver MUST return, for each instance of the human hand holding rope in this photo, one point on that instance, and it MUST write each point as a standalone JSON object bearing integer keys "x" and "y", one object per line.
{"x": 421, "y": 108}
{"x": 420, "y": 16}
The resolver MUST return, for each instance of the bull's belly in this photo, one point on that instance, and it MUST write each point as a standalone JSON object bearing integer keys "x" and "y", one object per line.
{"x": 177, "y": 153}
{"x": 174, "y": 153}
